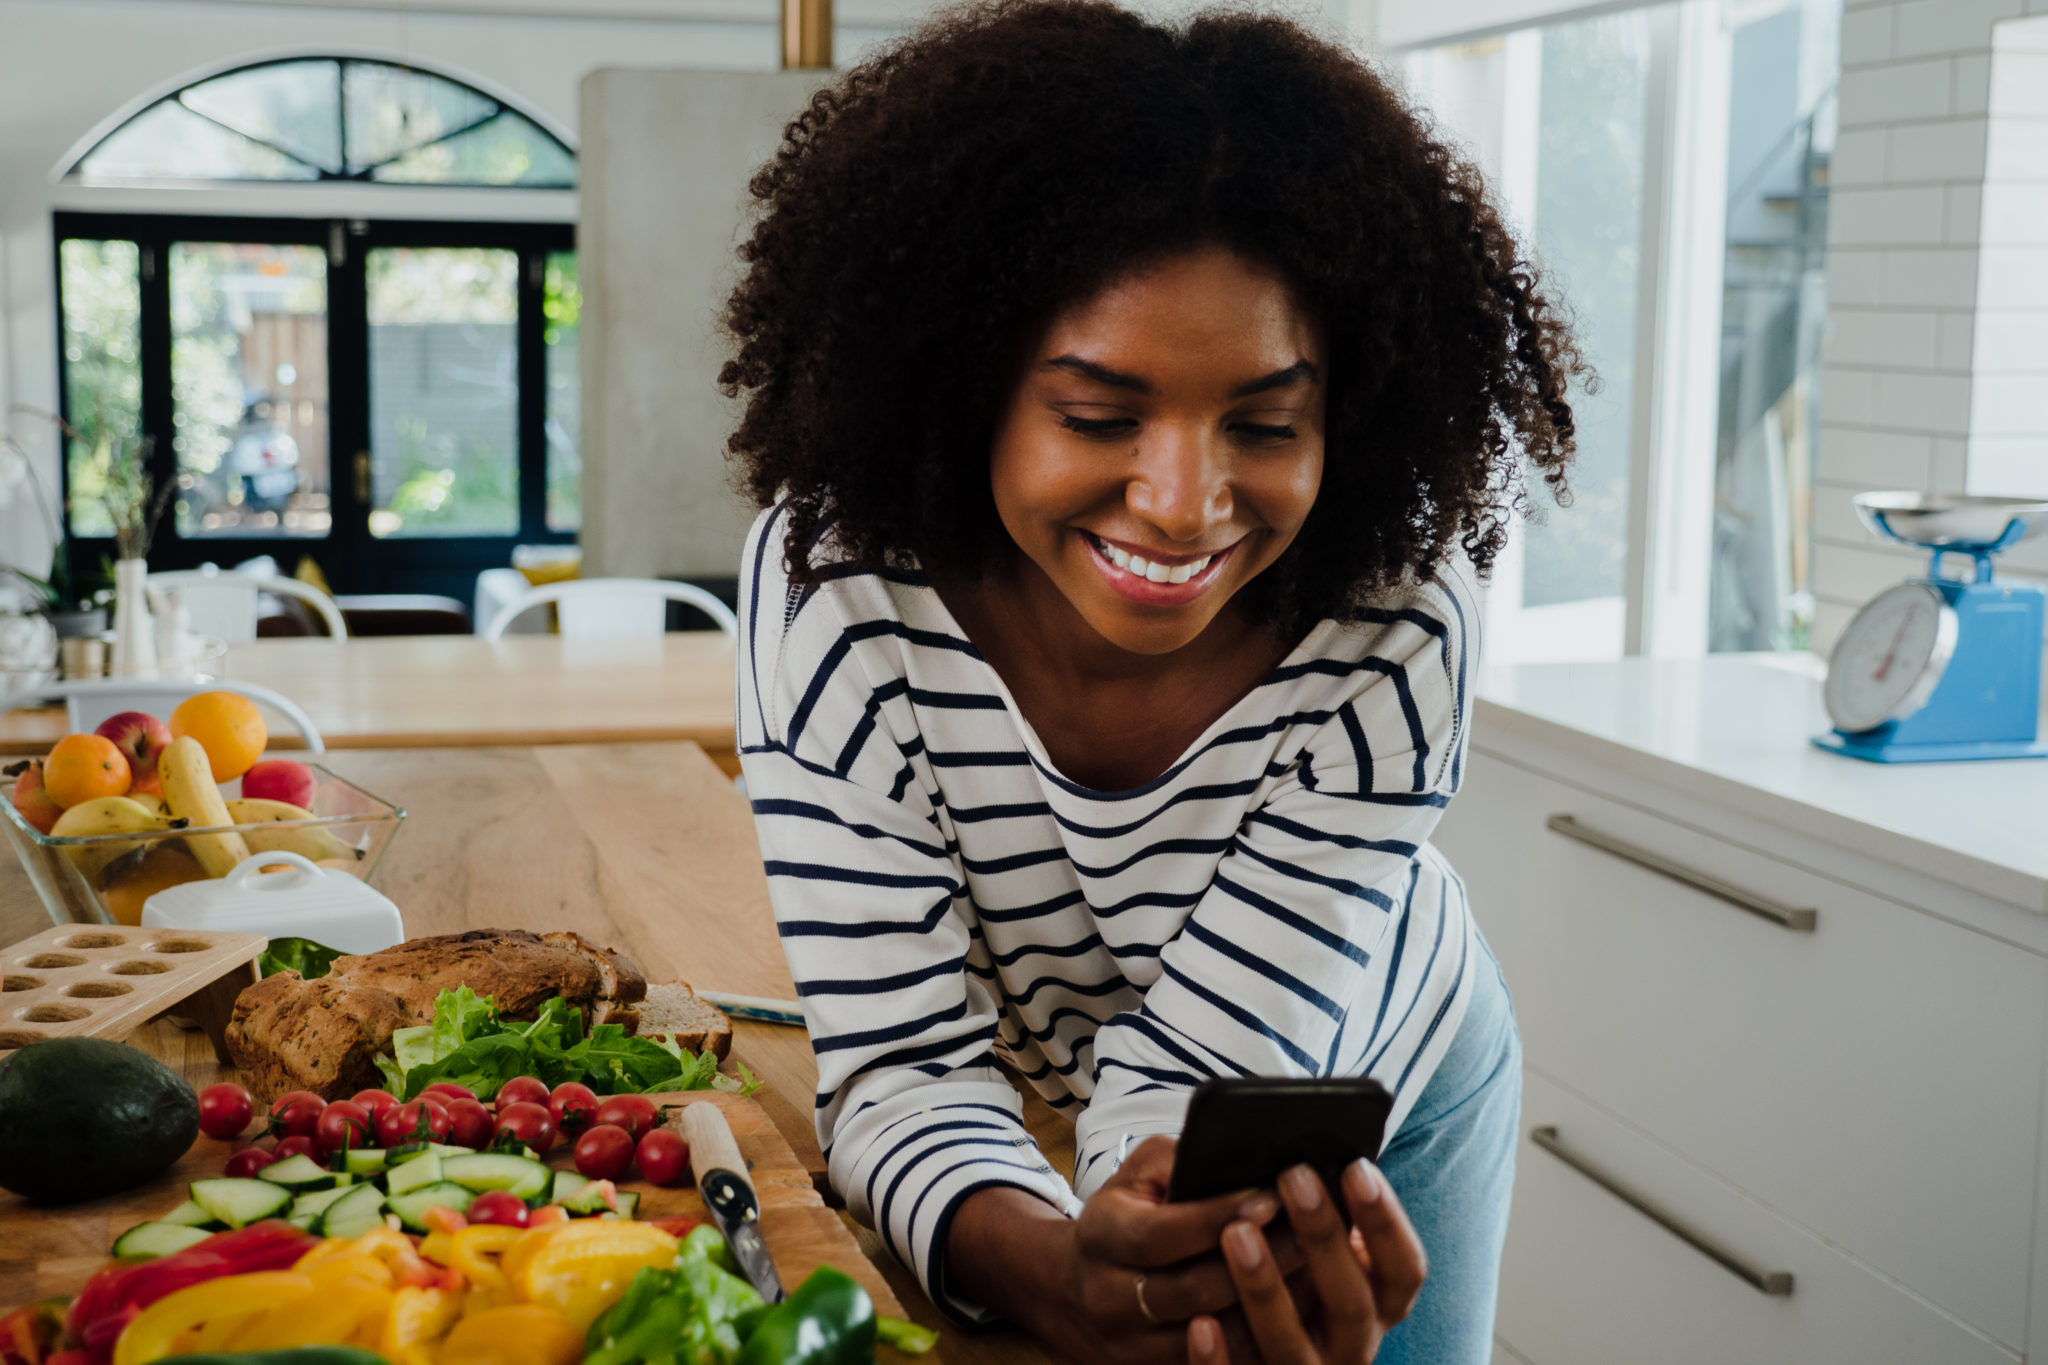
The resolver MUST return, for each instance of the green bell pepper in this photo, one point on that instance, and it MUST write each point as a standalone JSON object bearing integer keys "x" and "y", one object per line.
{"x": 829, "y": 1320}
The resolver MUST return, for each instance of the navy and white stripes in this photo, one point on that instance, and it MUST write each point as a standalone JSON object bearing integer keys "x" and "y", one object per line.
{"x": 951, "y": 904}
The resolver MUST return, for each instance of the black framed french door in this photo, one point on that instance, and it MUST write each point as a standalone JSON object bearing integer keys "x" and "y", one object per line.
{"x": 392, "y": 398}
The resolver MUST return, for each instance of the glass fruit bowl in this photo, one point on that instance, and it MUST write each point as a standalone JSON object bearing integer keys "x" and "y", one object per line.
{"x": 105, "y": 878}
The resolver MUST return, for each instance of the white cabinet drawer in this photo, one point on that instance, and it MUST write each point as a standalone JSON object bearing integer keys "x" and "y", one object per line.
{"x": 1586, "y": 1279}
{"x": 1876, "y": 1080}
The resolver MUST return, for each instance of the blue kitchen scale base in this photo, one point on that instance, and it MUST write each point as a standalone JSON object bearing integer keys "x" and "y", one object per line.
{"x": 1864, "y": 747}
{"x": 1987, "y": 704}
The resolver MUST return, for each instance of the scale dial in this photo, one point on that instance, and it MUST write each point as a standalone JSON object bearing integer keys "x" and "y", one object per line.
{"x": 1891, "y": 657}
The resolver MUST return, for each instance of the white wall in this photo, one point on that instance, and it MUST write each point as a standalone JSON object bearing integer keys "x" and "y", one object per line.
{"x": 1908, "y": 240}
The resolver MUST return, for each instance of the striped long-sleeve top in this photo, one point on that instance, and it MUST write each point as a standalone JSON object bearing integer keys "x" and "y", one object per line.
{"x": 951, "y": 904}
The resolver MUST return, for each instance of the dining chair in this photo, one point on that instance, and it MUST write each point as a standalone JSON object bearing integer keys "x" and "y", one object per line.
{"x": 223, "y": 601}
{"x": 88, "y": 701}
{"x": 612, "y": 608}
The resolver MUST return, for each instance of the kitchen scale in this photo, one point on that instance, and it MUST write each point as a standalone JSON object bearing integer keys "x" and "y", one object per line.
{"x": 1940, "y": 670}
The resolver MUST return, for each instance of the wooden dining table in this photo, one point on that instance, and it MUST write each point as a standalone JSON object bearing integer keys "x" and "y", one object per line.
{"x": 644, "y": 847}
{"x": 443, "y": 691}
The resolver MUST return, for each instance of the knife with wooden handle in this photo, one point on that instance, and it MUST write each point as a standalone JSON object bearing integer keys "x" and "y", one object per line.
{"x": 729, "y": 1194}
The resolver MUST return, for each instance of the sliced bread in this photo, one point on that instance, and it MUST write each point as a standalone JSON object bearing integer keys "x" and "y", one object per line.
{"x": 672, "y": 1009}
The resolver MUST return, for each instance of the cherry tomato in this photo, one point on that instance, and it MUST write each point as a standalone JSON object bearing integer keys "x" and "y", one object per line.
{"x": 374, "y": 1102}
{"x": 522, "y": 1090}
{"x": 225, "y": 1110}
{"x": 574, "y": 1106}
{"x": 344, "y": 1125}
{"x": 297, "y": 1145}
{"x": 470, "y": 1124}
{"x": 245, "y": 1163}
{"x": 423, "y": 1119}
{"x": 663, "y": 1156}
{"x": 296, "y": 1114}
{"x": 634, "y": 1113}
{"x": 530, "y": 1123}
{"x": 449, "y": 1090}
{"x": 604, "y": 1152}
{"x": 547, "y": 1216}
{"x": 501, "y": 1207}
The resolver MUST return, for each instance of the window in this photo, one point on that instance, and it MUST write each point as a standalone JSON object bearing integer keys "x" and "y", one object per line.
{"x": 1666, "y": 167}
{"x": 1557, "y": 119}
{"x": 331, "y": 118}
{"x": 382, "y": 396}
{"x": 396, "y": 398}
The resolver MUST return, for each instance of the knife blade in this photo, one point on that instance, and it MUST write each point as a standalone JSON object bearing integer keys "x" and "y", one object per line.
{"x": 729, "y": 1194}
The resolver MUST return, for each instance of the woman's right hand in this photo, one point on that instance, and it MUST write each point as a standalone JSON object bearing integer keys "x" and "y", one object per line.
{"x": 1086, "y": 1286}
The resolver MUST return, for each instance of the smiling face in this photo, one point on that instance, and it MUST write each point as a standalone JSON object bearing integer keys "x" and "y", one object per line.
{"x": 1164, "y": 445}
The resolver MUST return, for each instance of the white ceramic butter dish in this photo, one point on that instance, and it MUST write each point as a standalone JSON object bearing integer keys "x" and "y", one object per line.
{"x": 323, "y": 904}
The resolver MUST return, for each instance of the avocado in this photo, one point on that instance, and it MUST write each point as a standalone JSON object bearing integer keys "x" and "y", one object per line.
{"x": 83, "y": 1117}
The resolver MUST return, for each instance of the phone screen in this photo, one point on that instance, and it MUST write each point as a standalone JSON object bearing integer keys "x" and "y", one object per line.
{"x": 1242, "y": 1132}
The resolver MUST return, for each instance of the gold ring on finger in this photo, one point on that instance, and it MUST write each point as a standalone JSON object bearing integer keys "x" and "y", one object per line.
{"x": 1144, "y": 1307}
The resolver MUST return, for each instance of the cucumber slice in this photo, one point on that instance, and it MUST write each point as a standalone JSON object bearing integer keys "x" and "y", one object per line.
{"x": 316, "y": 1203}
{"x": 424, "y": 1169}
{"x": 404, "y": 1152}
{"x": 412, "y": 1208}
{"x": 628, "y": 1203}
{"x": 305, "y": 1222}
{"x": 190, "y": 1215}
{"x": 360, "y": 1209}
{"x": 157, "y": 1239}
{"x": 239, "y": 1203}
{"x": 450, "y": 1149}
{"x": 298, "y": 1173}
{"x": 565, "y": 1186}
{"x": 360, "y": 1160}
{"x": 522, "y": 1176}
{"x": 591, "y": 1198}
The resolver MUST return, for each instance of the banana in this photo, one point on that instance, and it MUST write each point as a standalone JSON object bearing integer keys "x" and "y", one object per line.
{"x": 106, "y": 815}
{"x": 313, "y": 843}
{"x": 154, "y": 805}
{"x": 190, "y": 793}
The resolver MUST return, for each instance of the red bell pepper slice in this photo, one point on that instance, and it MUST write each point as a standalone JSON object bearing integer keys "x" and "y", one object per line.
{"x": 116, "y": 1295}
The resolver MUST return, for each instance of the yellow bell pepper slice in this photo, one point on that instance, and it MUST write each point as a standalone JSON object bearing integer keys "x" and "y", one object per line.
{"x": 326, "y": 1250}
{"x": 583, "y": 1268}
{"x": 517, "y": 1334}
{"x": 417, "y": 1317}
{"x": 353, "y": 1268}
{"x": 471, "y": 1250}
{"x": 173, "y": 1324}
{"x": 330, "y": 1317}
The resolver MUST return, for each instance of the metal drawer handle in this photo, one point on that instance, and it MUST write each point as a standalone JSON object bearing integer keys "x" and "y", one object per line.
{"x": 1799, "y": 920}
{"x": 1773, "y": 1282}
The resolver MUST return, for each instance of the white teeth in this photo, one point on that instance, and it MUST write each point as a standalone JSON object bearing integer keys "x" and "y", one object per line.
{"x": 1138, "y": 566}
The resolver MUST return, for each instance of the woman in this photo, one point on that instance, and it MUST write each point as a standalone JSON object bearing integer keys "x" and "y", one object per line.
{"x": 1120, "y": 397}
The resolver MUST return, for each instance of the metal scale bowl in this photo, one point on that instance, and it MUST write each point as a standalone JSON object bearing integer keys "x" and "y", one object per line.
{"x": 1941, "y": 669}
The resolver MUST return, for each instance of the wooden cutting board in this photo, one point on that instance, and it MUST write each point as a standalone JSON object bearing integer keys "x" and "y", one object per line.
{"x": 46, "y": 1252}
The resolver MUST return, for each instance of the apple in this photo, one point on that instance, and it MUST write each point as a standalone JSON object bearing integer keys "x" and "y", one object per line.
{"x": 33, "y": 802}
{"x": 279, "y": 779}
{"x": 142, "y": 739}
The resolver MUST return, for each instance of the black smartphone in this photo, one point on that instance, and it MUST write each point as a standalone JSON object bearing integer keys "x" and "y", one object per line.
{"x": 1243, "y": 1131}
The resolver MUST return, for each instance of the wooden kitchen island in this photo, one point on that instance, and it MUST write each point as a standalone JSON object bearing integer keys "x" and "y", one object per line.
{"x": 644, "y": 847}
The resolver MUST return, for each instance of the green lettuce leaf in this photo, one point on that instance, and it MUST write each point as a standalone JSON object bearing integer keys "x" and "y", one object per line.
{"x": 309, "y": 959}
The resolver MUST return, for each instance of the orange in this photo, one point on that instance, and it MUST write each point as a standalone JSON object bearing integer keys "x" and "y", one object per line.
{"x": 228, "y": 726}
{"x": 127, "y": 883}
{"x": 84, "y": 768}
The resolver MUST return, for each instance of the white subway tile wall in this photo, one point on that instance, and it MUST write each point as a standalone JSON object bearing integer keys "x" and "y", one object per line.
{"x": 1936, "y": 357}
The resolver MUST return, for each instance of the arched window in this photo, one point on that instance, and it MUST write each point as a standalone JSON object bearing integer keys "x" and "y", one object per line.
{"x": 311, "y": 119}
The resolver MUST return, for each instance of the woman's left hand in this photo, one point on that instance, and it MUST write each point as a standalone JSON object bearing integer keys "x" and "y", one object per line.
{"x": 1365, "y": 1277}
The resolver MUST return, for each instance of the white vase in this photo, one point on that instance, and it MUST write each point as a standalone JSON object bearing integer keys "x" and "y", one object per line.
{"x": 134, "y": 632}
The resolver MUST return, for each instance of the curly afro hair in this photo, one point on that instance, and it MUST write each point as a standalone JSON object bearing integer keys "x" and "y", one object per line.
{"x": 934, "y": 206}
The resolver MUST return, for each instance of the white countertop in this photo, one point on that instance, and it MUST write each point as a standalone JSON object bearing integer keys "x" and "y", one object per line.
{"x": 1734, "y": 729}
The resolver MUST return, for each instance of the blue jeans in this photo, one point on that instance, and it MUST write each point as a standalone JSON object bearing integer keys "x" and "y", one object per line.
{"x": 1453, "y": 1165}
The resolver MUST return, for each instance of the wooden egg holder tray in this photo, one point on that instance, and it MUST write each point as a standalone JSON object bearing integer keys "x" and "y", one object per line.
{"x": 105, "y": 981}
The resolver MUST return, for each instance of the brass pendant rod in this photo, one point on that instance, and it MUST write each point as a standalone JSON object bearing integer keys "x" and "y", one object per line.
{"x": 806, "y": 34}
